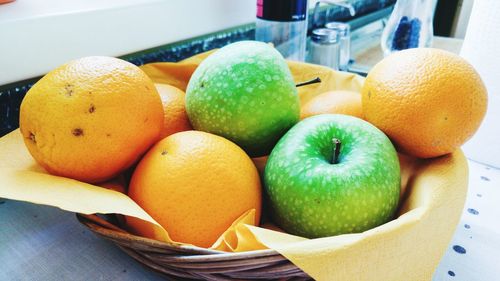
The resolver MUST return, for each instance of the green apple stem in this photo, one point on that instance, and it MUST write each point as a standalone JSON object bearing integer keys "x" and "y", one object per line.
{"x": 336, "y": 150}
{"x": 313, "y": 81}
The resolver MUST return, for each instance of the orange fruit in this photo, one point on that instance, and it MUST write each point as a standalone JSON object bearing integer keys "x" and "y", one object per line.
{"x": 91, "y": 118}
{"x": 428, "y": 101}
{"x": 174, "y": 107}
{"x": 117, "y": 184}
{"x": 334, "y": 102}
{"x": 195, "y": 185}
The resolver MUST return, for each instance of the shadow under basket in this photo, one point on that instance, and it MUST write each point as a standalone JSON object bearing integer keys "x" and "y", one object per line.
{"x": 191, "y": 262}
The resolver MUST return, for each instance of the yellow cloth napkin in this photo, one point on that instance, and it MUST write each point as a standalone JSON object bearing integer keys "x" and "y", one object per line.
{"x": 407, "y": 248}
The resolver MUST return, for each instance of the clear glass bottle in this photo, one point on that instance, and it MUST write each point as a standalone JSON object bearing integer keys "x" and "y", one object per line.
{"x": 283, "y": 23}
{"x": 325, "y": 48}
{"x": 409, "y": 26}
{"x": 344, "y": 31}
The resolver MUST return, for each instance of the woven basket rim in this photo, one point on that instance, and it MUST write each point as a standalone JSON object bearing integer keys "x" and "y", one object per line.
{"x": 192, "y": 262}
{"x": 204, "y": 252}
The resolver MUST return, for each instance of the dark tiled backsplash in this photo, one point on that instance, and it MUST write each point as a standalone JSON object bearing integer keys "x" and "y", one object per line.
{"x": 11, "y": 95}
{"x": 10, "y": 100}
{"x": 179, "y": 51}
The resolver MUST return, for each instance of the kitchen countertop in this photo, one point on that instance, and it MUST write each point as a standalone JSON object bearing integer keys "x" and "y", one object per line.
{"x": 370, "y": 56}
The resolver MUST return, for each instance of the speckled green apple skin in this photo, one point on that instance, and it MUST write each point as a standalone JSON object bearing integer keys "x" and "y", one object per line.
{"x": 313, "y": 198}
{"x": 244, "y": 92}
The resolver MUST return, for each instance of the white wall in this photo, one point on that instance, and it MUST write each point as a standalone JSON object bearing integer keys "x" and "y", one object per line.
{"x": 36, "y": 36}
{"x": 480, "y": 48}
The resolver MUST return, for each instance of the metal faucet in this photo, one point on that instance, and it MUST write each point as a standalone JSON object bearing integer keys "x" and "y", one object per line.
{"x": 340, "y": 3}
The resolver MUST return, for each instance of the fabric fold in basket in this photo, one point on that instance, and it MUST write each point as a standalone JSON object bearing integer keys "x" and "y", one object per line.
{"x": 406, "y": 248}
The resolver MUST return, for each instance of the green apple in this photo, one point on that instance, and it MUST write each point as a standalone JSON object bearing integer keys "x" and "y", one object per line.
{"x": 244, "y": 92}
{"x": 332, "y": 174}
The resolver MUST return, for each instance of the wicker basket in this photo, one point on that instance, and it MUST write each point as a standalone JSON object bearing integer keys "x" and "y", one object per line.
{"x": 191, "y": 262}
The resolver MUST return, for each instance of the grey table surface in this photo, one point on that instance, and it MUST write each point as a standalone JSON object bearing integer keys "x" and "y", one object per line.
{"x": 45, "y": 243}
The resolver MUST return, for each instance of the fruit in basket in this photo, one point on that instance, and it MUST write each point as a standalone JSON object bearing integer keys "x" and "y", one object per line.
{"x": 174, "y": 107}
{"x": 194, "y": 184}
{"x": 332, "y": 174}
{"x": 91, "y": 118}
{"x": 428, "y": 101}
{"x": 244, "y": 92}
{"x": 334, "y": 102}
{"x": 118, "y": 184}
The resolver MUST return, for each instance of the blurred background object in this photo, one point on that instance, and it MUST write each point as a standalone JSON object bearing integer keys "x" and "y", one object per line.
{"x": 324, "y": 48}
{"x": 451, "y": 17}
{"x": 409, "y": 26}
{"x": 284, "y": 24}
{"x": 344, "y": 32}
{"x": 331, "y": 45}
